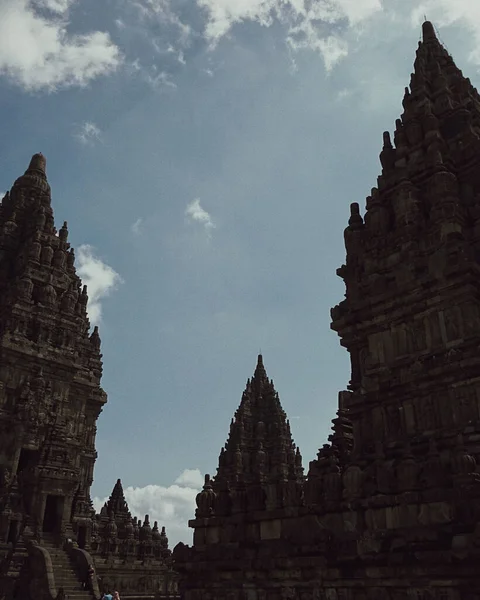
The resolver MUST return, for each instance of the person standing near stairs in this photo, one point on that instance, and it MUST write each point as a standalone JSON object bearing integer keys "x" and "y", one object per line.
{"x": 88, "y": 583}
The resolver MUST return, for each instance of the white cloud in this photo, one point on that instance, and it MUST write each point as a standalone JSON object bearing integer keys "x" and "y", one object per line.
{"x": 136, "y": 227}
{"x": 59, "y": 7}
{"x": 159, "y": 79}
{"x": 171, "y": 506}
{"x": 47, "y": 57}
{"x": 344, "y": 94}
{"x": 195, "y": 213}
{"x": 99, "y": 277}
{"x": 88, "y": 134}
{"x": 163, "y": 11}
{"x": 308, "y": 23}
{"x": 191, "y": 478}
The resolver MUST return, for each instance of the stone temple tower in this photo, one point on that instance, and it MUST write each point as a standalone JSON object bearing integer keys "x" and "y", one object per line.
{"x": 411, "y": 316}
{"x": 390, "y": 509}
{"x": 50, "y": 400}
{"x": 260, "y": 466}
{"x": 50, "y": 370}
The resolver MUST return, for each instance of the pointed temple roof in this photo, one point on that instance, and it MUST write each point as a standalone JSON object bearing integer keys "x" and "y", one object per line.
{"x": 37, "y": 268}
{"x": 260, "y": 447}
{"x": 439, "y": 106}
{"x": 36, "y": 175}
{"x": 429, "y": 173}
{"x": 116, "y": 503}
{"x": 417, "y": 246}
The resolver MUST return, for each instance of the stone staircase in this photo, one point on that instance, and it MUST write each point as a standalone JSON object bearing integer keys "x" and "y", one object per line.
{"x": 65, "y": 573}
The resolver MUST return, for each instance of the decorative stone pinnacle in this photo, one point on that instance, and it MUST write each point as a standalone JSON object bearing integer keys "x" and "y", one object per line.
{"x": 38, "y": 162}
{"x": 428, "y": 32}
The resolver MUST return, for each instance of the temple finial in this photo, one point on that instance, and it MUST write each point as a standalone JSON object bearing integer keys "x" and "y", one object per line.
{"x": 38, "y": 163}
{"x": 428, "y": 32}
{"x": 35, "y": 177}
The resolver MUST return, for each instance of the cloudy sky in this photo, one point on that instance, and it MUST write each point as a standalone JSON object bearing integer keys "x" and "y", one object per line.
{"x": 205, "y": 153}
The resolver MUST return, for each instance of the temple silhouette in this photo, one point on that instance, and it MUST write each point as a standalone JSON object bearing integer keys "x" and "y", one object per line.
{"x": 389, "y": 509}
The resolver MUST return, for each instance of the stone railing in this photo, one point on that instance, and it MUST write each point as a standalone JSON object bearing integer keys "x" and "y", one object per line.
{"x": 42, "y": 571}
{"x": 82, "y": 561}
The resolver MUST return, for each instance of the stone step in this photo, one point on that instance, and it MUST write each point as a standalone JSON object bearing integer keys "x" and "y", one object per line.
{"x": 65, "y": 574}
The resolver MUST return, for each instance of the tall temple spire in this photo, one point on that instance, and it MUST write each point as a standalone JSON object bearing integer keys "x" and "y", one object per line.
{"x": 414, "y": 252}
{"x": 260, "y": 445}
{"x": 38, "y": 262}
{"x": 49, "y": 365}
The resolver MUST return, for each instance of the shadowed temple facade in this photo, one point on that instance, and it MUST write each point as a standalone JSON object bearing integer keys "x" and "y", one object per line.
{"x": 50, "y": 400}
{"x": 390, "y": 508}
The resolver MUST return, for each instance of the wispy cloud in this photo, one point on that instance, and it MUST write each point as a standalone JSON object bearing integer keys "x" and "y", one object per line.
{"x": 136, "y": 226}
{"x": 59, "y": 7}
{"x": 88, "y": 133}
{"x": 171, "y": 506}
{"x": 159, "y": 79}
{"x": 344, "y": 94}
{"x": 195, "y": 213}
{"x": 309, "y": 24}
{"x": 48, "y": 57}
{"x": 163, "y": 11}
{"x": 100, "y": 278}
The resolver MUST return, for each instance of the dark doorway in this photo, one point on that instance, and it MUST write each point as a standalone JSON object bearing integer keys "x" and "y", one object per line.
{"x": 52, "y": 518}
{"x": 13, "y": 532}
{"x": 28, "y": 458}
{"x": 82, "y": 537}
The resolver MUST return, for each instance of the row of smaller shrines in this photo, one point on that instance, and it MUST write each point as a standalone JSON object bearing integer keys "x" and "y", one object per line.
{"x": 130, "y": 556}
{"x": 127, "y": 555}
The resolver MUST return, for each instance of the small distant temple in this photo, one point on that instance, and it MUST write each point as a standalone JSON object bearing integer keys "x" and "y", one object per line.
{"x": 390, "y": 508}
{"x": 50, "y": 400}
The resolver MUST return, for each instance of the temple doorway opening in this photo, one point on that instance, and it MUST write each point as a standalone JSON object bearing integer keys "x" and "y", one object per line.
{"x": 13, "y": 531}
{"x": 82, "y": 537}
{"x": 53, "y": 515}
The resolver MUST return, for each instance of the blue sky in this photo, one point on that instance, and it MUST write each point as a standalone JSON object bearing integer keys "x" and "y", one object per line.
{"x": 205, "y": 153}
